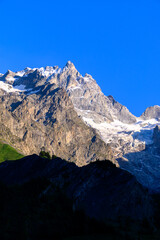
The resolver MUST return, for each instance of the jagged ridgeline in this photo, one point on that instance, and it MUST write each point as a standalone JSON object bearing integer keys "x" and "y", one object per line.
{"x": 36, "y": 112}
{"x": 67, "y": 115}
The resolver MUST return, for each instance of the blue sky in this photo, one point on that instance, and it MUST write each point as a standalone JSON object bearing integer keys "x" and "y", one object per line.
{"x": 117, "y": 42}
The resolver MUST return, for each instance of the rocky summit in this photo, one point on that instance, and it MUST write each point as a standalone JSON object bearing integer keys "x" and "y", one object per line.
{"x": 65, "y": 113}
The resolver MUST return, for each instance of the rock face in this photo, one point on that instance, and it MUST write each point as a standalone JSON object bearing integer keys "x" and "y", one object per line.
{"x": 48, "y": 120}
{"x": 88, "y": 98}
{"x": 151, "y": 112}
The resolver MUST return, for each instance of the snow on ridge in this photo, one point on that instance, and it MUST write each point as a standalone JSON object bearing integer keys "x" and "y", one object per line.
{"x": 49, "y": 71}
{"x": 4, "y": 86}
{"x": 138, "y": 126}
{"x": 10, "y": 79}
{"x": 72, "y": 88}
{"x": 22, "y": 73}
{"x": 87, "y": 79}
{"x": 9, "y": 88}
{"x": 136, "y": 133}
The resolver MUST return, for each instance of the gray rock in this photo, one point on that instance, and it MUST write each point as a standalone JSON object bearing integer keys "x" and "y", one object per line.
{"x": 151, "y": 112}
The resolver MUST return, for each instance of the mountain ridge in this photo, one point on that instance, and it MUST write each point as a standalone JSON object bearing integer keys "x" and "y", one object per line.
{"x": 29, "y": 96}
{"x": 49, "y": 71}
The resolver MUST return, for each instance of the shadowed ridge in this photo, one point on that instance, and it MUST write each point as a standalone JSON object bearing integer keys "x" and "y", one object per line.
{"x": 99, "y": 190}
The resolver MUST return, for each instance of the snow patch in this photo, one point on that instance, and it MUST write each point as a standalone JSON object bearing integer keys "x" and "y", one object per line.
{"x": 87, "y": 79}
{"x": 10, "y": 79}
{"x": 74, "y": 88}
{"x": 20, "y": 87}
{"x": 9, "y": 88}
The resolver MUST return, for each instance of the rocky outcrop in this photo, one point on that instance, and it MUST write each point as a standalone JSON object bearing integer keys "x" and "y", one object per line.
{"x": 121, "y": 113}
{"x": 151, "y": 112}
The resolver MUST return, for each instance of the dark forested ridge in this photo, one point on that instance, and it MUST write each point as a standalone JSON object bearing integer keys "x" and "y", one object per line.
{"x": 54, "y": 199}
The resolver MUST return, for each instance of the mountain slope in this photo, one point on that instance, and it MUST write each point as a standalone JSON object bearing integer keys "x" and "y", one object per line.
{"x": 100, "y": 189}
{"x": 8, "y": 153}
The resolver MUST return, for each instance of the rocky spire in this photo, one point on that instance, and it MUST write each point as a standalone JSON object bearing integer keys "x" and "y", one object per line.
{"x": 69, "y": 64}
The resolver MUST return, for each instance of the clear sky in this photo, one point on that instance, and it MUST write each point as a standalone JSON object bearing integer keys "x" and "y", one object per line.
{"x": 116, "y": 41}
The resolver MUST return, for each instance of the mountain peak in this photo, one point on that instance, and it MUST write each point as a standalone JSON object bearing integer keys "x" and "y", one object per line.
{"x": 69, "y": 64}
{"x": 151, "y": 112}
{"x": 27, "y": 69}
{"x": 9, "y": 72}
{"x": 69, "y": 68}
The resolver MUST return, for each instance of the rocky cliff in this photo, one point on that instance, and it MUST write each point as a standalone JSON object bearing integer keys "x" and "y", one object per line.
{"x": 47, "y": 120}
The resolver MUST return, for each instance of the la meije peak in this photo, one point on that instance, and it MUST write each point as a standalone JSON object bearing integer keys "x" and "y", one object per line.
{"x": 67, "y": 114}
